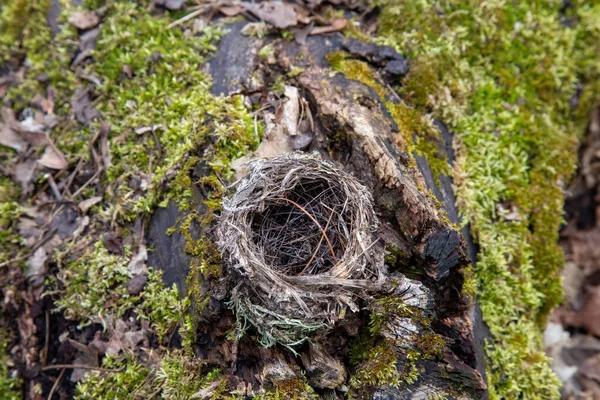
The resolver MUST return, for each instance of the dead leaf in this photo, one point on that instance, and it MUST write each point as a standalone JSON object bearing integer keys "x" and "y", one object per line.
{"x": 82, "y": 106}
{"x": 87, "y": 44}
{"x": 207, "y": 392}
{"x": 127, "y": 71}
{"x": 23, "y": 175}
{"x": 86, "y": 355}
{"x": 170, "y": 4}
{"x": 29, "y": 230}
{"x": 36, "y": 268}
{"x": 42, "y": 103}
{"x": 82, "y": 224}
{"x": 84, "y": 20}
{"x": 231, "y": 10}
{"x": 113, "y": 243}
{"x": 11, "y": 138}
{"x": 280, "y": 15}
{"x": 104, "y": 147}
{"x": 85, "y": 205}
{"x": 137, "y": 284}
{"x": 53, "y": 159}
{"x": 588, "y": 317}
{"x": 337, "y": 25}
{"x": 137, "y": 265}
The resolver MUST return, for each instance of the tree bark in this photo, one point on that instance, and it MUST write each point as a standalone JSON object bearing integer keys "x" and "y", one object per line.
{"x": 352, "y": 127}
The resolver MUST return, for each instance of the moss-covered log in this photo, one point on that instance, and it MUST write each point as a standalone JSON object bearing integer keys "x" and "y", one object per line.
{"x": 413, "y": 338}
{"x": 123, "y": 125}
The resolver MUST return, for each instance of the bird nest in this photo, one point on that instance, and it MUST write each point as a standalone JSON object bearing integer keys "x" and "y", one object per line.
{"x": 300, "y": 233}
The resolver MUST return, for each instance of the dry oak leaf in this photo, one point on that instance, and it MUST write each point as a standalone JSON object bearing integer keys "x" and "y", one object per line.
{"x": 84, "y": 20}
{"x": 53, "y": 158}
{"x": 280, "y": 15}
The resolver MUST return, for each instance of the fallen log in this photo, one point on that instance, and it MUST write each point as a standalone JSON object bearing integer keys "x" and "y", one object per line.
{"x": 415, "y": 335}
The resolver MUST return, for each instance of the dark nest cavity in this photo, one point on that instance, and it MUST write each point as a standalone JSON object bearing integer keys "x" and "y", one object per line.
{"x": 305, "y": 232}
{"x": 299, "y": 234}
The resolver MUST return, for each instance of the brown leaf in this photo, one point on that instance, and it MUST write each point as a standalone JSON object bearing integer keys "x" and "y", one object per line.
{"x": 11, "y": 138}
{"x": 84, "y": 20}
{"x": 53, "y": 158}
{"x": 231, "y": 10}
{"x": 207, "y": 392}
{"x": 87, "y": 44}
{"x": 82, "y": 106}
{"x": 588, "y": 317}
{"x": 280, "y": 15}
{"x": 113, "y": 243}
{"x": 23, "y": 175}
{"x": 104, "y": 147}
{"x": 85, "y": 205}
{"x": 137, "y": 284}
{"x": 336, "y": 26}
{"x": 137, "y": 265}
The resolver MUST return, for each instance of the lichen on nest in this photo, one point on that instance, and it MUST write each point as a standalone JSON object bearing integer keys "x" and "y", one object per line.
{"x": 328, "y": 276}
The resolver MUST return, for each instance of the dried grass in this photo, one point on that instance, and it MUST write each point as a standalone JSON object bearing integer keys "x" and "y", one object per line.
{"x": 299, "y": 234}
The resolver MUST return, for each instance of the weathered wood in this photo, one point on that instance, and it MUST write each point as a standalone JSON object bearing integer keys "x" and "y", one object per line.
{"x": 353, "y": 128}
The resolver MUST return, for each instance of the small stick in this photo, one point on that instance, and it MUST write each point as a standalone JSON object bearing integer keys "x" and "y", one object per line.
{"x": 53, "y": 186}
{"x": 62, "y": 372}
{"x": 319, "y": 244}
{"x": 47, "y": 342}
{"x": 75, "y": 366}
{"x": 313, "y": 220}
{"x": 96, "y": 174}
{"x": 186, "y": 18}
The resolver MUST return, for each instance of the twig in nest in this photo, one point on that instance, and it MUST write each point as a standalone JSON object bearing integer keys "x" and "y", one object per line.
{"x": 313, "y": 220}
{"x": 319, "y": 244}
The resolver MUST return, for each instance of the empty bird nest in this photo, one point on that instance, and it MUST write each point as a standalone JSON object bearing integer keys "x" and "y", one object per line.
{"x": 299, "y": 233}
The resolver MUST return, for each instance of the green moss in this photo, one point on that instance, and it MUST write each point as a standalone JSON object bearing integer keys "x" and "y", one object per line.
{"x": 95, "y": 285}
{"x": 92, "y": 285}
{"x": 501, "y": 76}
{"x": 379, "y": 361}
{"x": 395, "y": 257}
{"x": 377, "y": 367}
{"x": 10, "y": 387}
{"x": 430, "y": 344}
{"x": 29, "y": 35}
{"x": 294, "y": 388}
{"x": 176, "y": 377}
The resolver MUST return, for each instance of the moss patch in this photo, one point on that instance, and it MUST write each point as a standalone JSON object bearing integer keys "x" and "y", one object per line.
{"x": 175, "y": 377}
{"x": 10, "y": 387}
{"x": 501, "y": 75}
